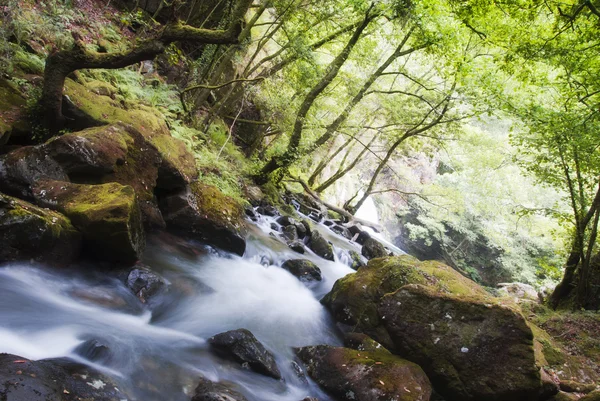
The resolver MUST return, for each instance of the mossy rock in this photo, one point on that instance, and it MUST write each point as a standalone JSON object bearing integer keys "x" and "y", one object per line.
{"x": 354, "y": 298}
{"x": 470, "y": 347}
{"x": 28, "y": 233}
{"x": 593, "y": 396}
{"x": 102, "y": 88}
{"x": 12, "y": 111}
{"x": 204, "y": 212}
{"x": 352, "y": 375}
{"x": 107, "y": 215}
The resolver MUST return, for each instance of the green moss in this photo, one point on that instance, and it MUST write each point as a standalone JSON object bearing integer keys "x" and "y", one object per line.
{"x": 216, "y": 206}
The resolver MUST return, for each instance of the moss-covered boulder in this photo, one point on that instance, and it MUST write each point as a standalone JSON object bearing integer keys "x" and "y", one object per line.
{"x": 320, "y": 246}
{"x": 204, "y": 212}
{"x": 150, "y": 163}
{"x": 107, "y": 215}
{"x": 23, "y": 167}
{"x": 352, "y": 375}
{"x": 355, "y": 298}
{"x": 372, "y": 249}
{"x": 304, "y": 269}
{"x": 28, "y": 233}
{"x": 470, "y": 347}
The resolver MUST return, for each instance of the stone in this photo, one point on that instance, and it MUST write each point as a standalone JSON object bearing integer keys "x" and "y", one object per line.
{"x": 211, "y": 391}
{"x": 23, "y": 167}
{"x": 297, "y": 246}
{"x": 362, "y": 237}
{"x": 319, "y": 245}
{"x": 354, "y": 299}
{"x": 341, "y": 230}
{"x": 349, "y": 375}
{"x": 58, "y": 379}
{"x": 362, "y": 342}
{"x": 470, "y": 347}
{"x": 355, "y": 229}
{"x": 373, "y": 249}
{"x": 204, "y": 212}
{"x": 93, "y": 350}
{"x": 285, "y": 221}
{"x": 274, "y": 226}
{"x": 357, "y": 260}
{"x": 144, "y": 283}
{"x": 304, "y": 269}
{"x": 241, "y": 346}
{"x": 593, "y": 396}
{"x": 28, "y": 232}
{"x": 107, "y": 215}
{"x": 290, "y": 233}
{"x": 518, "y": 291}
{"x": 301, "y": 230}
{"x": 268, "y": 210}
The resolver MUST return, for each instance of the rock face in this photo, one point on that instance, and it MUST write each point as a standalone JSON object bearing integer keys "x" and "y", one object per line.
{"x": 53, "y": 380}
{"x": 471, "y": 349}
{"x": 204, "y": 212}
{"x": 211, "y": 391}
{"x": 351, "y": 375}
{"x": 470, "y": 346}
{"x": 319, "y": 245}
{"x": 373, "y": 249}
{"x": 29, "y": 232}
{"x": 304, "y": 269}
{"x": 107, "y": 215}
{"x": 243, "y": 347}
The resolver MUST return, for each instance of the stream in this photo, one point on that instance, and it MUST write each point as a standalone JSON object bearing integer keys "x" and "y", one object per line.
{"x": 158, "y": 350}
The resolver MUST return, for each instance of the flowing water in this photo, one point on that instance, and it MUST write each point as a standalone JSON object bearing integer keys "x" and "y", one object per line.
{"x": 158, "y": 350}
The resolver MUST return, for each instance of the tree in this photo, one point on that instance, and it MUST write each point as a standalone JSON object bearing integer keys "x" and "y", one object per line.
{"x": 61, "y": 63}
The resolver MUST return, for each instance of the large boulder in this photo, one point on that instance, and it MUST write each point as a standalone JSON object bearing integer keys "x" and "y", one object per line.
{"x": 470, "y": 347}
{"x": 107, "y": 215}
{"x": 28, "y": 232}
{"x": 304, "y": 269}
{"x": 22, "y": 379}
{"x": 319, "y": 245}
{"x": 203, "y": 211}
{"x": 148, "y": 161}
{"x": 211, "y": 391}
{"x": 355, "y": 298}
{"x": 352, "y": 375}
{"x": 241, "y": 346}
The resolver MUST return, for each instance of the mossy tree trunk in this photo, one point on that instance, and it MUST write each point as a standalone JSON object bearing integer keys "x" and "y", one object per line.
{"x": 60, "y": 64}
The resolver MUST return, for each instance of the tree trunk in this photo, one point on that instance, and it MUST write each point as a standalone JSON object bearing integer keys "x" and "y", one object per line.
{"x": 333, "y": 69}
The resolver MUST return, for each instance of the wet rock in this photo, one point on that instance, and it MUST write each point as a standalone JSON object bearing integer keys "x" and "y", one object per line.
{"x": 350, "y": 375}
{"x": 211, "y": 391}
{"x": 341, "y": 230}
{"x": 355, "y": 298}
{"x": 301, "y": 230}
{"x": 94, "y": 351}
{"x": 373, "y": 249}
{"x": 297, "y": 246}
{"x": 304, "y": 269}
{"x": 22, "y": 379}
{"x": 254, "y": 194}
{"x": 144, "y": 283}
{"x": 268, "y": 210}
{"x": 319, "y": 245}
{"x": 251, "y": 213}
{"x": 297, "y": 369}
{"x": 355, "y": 229}
{"x": 107, "y": 215}
{"x": 22, "y": 168}
{"x": 286, "y": 221}
{"x": 362, "y": 237}
{"x": 307, "y": 226}
{"x": 204, "y": 212}
{"x": 28, "y": 232}
{"x": 315, "y": 216}
{"x": 357, "y": 260}
{"x": 243, "y": 347}
{"x": 471, "y": 348}
{"x": 329, "y": 223}
{"x": 290, "y": 233}
{"x": 310, "y": 399}
{"x": 274, "y": 226}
